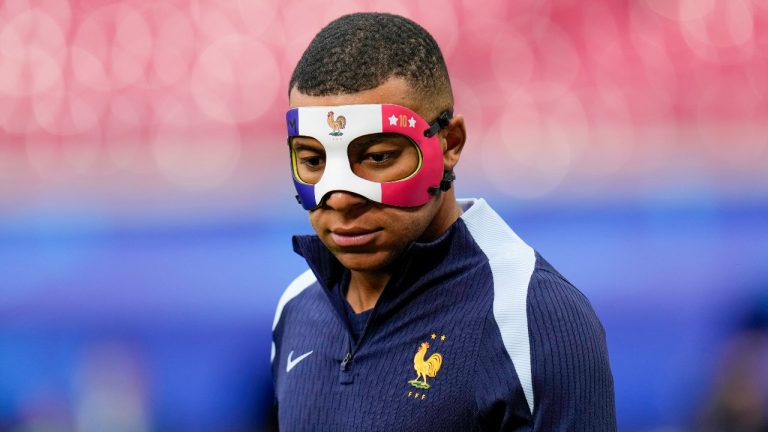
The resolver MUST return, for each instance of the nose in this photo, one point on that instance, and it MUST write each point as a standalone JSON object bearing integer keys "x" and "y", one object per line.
{"x": 344, "y": 201}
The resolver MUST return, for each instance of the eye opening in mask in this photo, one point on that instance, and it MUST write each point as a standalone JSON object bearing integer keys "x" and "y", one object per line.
{"x": 307, "y": 159}
{"x": 379, "y": 157}
{"x": 384, "y": 157}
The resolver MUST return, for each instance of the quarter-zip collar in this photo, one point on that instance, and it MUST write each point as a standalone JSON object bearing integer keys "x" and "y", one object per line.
{"x": 420, "y": 267}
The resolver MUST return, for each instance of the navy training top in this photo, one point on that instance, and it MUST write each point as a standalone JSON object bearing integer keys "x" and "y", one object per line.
{"x": 476, "y": 331}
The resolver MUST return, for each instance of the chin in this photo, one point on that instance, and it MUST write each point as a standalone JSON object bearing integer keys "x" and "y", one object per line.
{"x": 364, "y": 262}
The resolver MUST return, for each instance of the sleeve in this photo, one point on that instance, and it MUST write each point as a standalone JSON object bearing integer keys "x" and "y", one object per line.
{"x": 569, "y": 369}
{"x": 572, "y": 380}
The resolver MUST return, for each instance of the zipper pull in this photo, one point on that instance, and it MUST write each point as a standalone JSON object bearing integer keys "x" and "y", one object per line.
{"x": 345, "y": 375}
{"x": 345, "y": 362}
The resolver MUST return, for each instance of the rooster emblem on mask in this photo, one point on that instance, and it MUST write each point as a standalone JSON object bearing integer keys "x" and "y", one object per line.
{"x": 336, "y": 124}
{"x": 428, "y": 367}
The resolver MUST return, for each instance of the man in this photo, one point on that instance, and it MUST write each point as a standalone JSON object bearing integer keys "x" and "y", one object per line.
{"x": 419, "y": 311}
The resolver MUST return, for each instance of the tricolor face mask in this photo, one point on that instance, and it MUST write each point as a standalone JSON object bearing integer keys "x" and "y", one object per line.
{"x": 385, "y": 153}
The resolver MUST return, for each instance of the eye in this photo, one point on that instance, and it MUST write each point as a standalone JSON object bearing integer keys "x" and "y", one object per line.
{"x": 381, "y": 157}
{"x": 312, "y": 162}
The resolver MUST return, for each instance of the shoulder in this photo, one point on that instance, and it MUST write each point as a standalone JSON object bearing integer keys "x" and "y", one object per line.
{"x": 564, "y": 329}
{"x": 569, "y": 356}
{"x": 510, "y": 259}
{"x": 491, "y": 233}
{"x": 523, "y": 282}
{"x": 542, "y": 321}
{"x": 294, "y": 289}
{"x": 554, "y": 301}
{"x": 511, "y": 263}
{"x": 561, "y": 319}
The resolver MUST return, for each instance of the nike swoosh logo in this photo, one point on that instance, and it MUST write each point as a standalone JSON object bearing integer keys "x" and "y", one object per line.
{"x": 293, "y": 362}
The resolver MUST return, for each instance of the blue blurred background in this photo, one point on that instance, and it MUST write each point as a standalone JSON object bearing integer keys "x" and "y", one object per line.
{"x": 146, "y": 207}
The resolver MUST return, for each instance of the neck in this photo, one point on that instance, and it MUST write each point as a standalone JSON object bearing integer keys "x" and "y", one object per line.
{"x": 446, "y": 215}
{"x": 365, "y": 288}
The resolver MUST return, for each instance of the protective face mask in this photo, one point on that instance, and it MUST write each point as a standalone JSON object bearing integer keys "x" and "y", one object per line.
{"x": 385, "y": 153}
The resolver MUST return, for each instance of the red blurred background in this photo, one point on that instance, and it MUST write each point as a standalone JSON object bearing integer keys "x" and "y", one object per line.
{"x": 184, "y": 98}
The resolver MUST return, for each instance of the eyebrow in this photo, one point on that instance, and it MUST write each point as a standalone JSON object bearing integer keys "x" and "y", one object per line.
{"x": 369, "y": 140}
{"x": 366, "y": 141}
{"x": 299, "y": 146}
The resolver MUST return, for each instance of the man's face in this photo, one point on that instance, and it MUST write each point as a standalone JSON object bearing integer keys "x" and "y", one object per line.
{"x": 364, "y": 235}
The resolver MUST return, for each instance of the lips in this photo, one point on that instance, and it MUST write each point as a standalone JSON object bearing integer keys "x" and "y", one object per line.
{"x": 351, "y": 237}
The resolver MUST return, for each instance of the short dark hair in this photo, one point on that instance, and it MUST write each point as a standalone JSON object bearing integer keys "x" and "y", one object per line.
{"x": 360, "y": 51}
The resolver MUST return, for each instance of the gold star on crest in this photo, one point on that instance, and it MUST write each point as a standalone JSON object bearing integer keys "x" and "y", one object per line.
{"x": 442, "y": 338}
{"x": 434, "y": 336}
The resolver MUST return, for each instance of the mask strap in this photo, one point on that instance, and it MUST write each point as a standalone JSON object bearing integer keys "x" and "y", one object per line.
{"x": 445, "y": 183}
{"x": 441, "y": 122}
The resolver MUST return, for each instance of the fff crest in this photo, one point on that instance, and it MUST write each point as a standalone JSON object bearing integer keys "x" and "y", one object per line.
{"x": 426, "y": 367}
{"x": 336, "y": 124}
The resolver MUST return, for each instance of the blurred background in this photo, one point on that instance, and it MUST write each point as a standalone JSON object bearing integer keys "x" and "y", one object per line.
{"x": 146, "y": 206}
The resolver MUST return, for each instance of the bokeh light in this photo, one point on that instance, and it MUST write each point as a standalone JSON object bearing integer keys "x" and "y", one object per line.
{"x": 195, "y": 157}
{"x": 229, "y": 78}
{"x": 633, "y": 67}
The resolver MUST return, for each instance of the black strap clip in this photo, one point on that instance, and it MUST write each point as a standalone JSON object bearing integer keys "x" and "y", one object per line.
{"x": 442, "y": 122}
{"x": 445, "y": 183}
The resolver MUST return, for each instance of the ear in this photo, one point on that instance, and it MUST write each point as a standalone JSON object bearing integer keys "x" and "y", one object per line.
{"x": 453, "y": 138}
